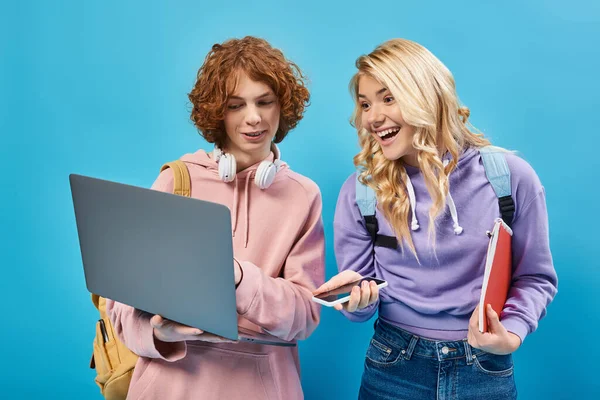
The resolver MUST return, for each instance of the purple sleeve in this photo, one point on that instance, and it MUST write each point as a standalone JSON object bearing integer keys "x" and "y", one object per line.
{"x": 352, "y": 243}
{"x": 534, "y": 279}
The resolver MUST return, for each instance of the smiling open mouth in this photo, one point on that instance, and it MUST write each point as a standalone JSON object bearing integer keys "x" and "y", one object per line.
{"x": 254, "y": 134}
{"x": 388, "y": 133}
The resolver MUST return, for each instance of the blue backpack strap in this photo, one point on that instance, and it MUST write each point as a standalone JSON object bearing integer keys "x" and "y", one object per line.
{"x": 367, "y": 203}
{"x": 498, "y": 174}
{"x": 365, "y": 198}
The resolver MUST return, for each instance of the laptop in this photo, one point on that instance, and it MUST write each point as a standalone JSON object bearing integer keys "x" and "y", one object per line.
{"x": 161, "y": 253}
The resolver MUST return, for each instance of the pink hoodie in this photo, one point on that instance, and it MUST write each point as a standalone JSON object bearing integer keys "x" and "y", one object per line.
{"x": 278, "y": 240}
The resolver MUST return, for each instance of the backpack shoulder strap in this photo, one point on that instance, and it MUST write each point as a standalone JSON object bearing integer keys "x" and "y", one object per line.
{"x": 498, "y": 174}
{"x": 182, "y": 184}
{"x": 365, "y": 198}
{"x": 367, "y": 201}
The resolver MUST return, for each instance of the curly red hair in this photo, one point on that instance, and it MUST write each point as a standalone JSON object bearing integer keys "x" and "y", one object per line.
{"x": 216, "y": 81}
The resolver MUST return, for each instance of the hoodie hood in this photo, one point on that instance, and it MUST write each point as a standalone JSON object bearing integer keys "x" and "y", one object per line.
{"x": 464, "y": 158}
{"x": 206, "y": 160}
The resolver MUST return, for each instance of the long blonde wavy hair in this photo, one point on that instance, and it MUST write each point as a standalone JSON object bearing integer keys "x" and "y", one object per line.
{"x": 425, "y": 91}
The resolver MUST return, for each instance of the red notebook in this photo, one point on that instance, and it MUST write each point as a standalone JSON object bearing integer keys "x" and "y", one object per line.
{"x": 498, "y": 272}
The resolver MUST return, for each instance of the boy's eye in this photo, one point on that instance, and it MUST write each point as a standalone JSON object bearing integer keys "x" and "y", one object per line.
{"x": 265, "y": 102}
{"x": 234, "y": 106}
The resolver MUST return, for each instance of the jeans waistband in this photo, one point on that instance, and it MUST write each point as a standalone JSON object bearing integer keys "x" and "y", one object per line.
{"x": 414, "y": 345}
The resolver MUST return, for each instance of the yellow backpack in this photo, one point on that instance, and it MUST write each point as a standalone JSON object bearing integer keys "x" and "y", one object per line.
{"x": 113, "y": 362}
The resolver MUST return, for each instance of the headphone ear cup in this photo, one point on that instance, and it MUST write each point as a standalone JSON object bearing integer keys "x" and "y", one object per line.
{"x": 265, "y": 174}
{"x": 227, "y": 167}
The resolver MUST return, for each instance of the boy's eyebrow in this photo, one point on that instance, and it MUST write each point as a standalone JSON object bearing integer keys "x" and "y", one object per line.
{"x": 258, "y": 97}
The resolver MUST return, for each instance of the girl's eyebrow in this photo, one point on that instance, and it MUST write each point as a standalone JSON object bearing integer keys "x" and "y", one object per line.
{"x": 377, "y": 94}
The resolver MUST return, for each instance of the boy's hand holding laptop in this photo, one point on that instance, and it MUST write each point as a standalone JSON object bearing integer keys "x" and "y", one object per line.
{"x": 166, "y": 330}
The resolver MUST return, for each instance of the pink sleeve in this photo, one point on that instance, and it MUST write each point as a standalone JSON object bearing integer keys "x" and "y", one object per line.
{"x": 283, "y": 306}
{"x": 132, "y": 326}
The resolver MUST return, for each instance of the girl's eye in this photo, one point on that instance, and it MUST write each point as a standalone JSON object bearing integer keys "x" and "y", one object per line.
{"x": 388, "y": 99}
{"x": 364, "y": 106}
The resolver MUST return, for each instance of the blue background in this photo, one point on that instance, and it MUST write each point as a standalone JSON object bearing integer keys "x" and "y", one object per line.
{"x": 99, "y": 88}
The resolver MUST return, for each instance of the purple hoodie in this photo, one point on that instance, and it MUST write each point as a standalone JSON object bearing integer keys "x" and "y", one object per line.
{"x": 436, "y": 298}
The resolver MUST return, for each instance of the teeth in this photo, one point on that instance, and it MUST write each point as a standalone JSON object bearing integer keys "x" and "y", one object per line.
{"x": 387, "y": 132}
{"x": 254, "y": 133}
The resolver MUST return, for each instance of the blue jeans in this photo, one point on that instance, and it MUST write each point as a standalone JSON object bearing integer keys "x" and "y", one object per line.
{"x": 400, "y": 365}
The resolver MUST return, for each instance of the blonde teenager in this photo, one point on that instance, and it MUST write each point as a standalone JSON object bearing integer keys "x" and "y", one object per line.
{"x": 423, "y": 162}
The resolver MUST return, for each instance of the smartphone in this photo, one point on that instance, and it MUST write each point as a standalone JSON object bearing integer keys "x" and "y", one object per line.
{"x": 342, "y": 294}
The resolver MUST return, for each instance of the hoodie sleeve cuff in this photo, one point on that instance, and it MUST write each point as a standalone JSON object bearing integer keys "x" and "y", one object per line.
{"x": 363, "y": 315}
{"x": 516, "y": 326}
{"x": 154, "y": 348}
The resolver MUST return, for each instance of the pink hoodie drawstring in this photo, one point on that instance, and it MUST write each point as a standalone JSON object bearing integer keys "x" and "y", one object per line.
{"x": 247, "y": 190}
{"x": 234, "y": 208}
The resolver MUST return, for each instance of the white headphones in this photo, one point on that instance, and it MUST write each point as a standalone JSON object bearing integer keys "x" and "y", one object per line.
{"x": 265, "y": 174}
